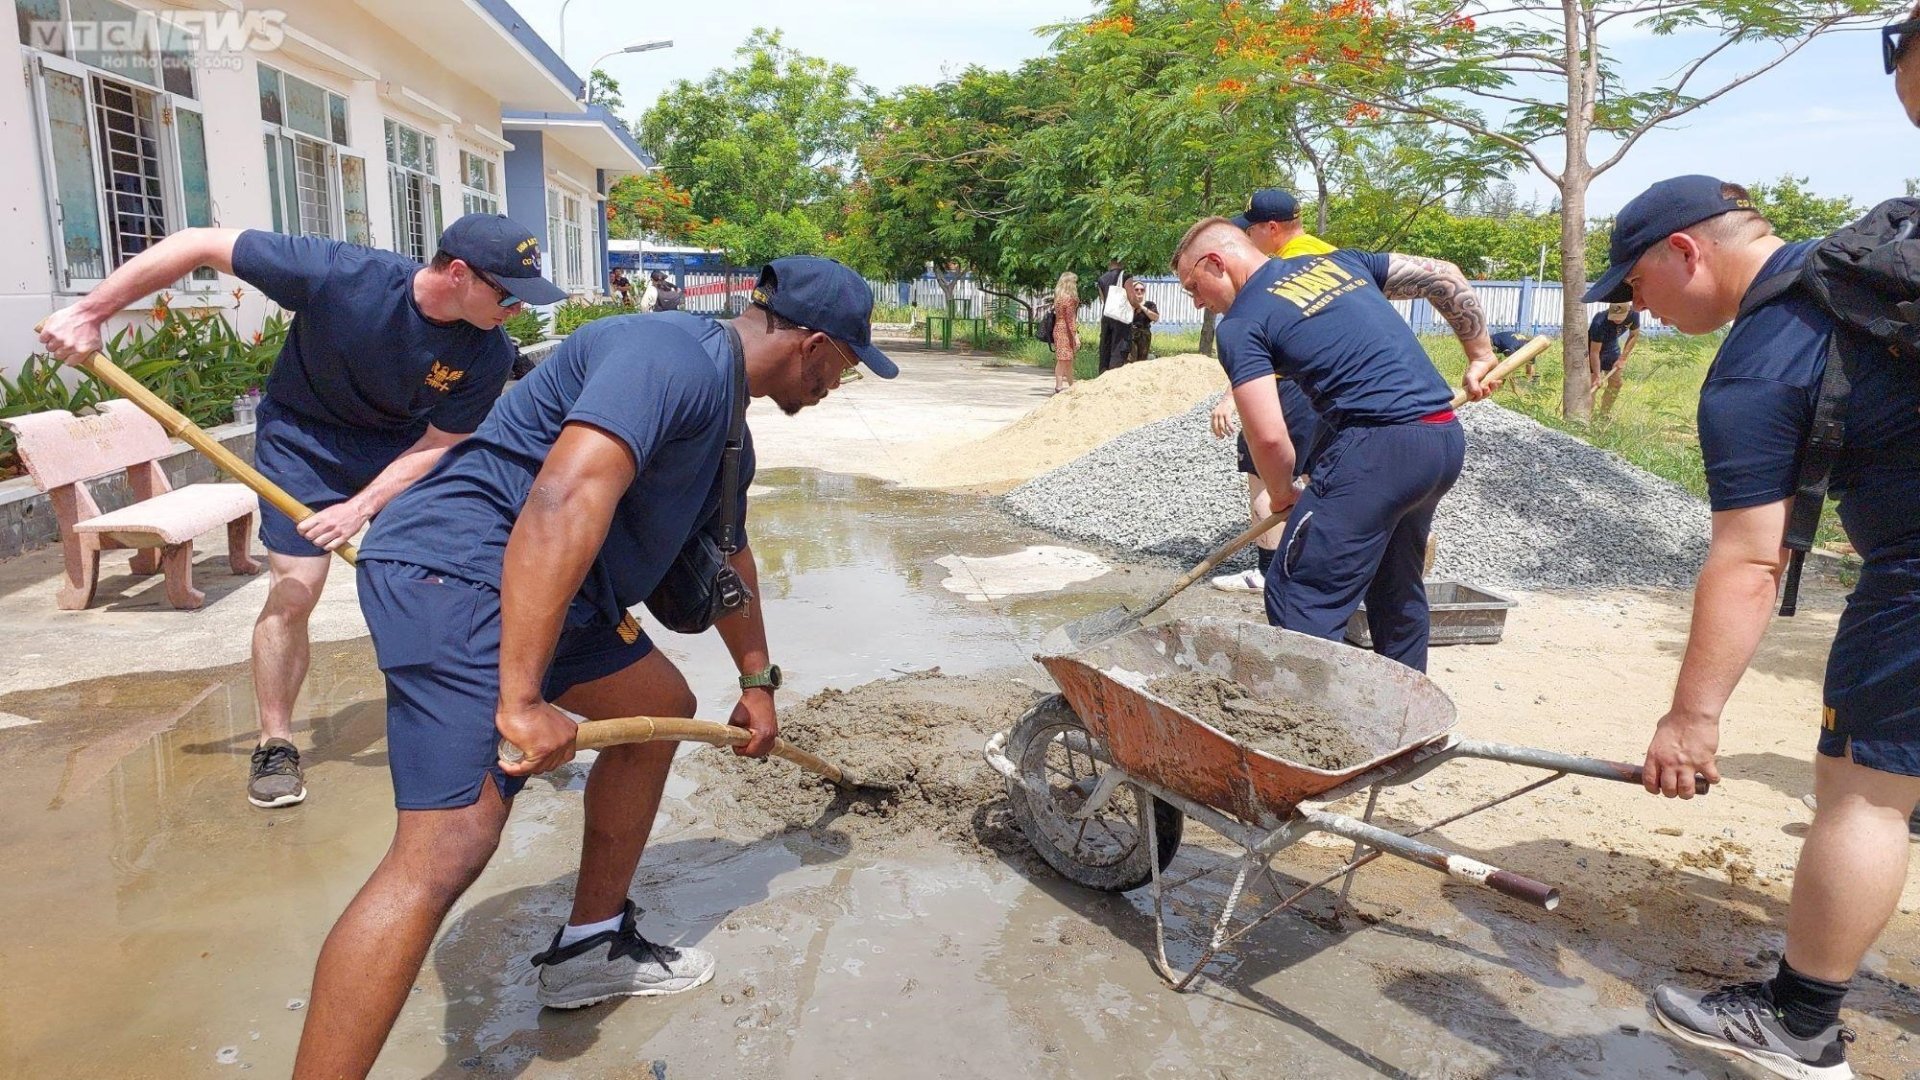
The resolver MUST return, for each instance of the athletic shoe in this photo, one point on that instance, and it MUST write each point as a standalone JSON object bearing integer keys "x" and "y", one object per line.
{"x": 616, "y": 963}
{"x": 274, "y": 777}
{"x": 1244, "y": 581}
{"x": 1913, "y": 819}
{"x": 1741, "y": 1019}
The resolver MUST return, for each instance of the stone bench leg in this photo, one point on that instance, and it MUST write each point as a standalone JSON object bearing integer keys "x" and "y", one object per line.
{"x": 177, "y": 561}
{"x": 81, "y": 552}
{"x": 239, "y": 539}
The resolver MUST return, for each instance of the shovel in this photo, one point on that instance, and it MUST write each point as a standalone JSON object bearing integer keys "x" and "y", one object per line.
{"x": 594, "y": 734}
{"x": 1504, "y": 368}
{"x": 178, "y": 426}
{"x": 1085, "y": 631}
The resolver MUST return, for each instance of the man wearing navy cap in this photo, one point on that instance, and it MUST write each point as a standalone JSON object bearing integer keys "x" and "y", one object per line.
{"x": 386, "y": 365}
{"x": 1272, "y": 222}
{"x": 1393, "y": 447}
{"x": 498, "y": 593}
{"x": 1693, "y": 251}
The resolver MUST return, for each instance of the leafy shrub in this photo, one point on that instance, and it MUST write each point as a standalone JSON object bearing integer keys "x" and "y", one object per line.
{"x": 573, "y": 314}
{"x": 526, "y": 327}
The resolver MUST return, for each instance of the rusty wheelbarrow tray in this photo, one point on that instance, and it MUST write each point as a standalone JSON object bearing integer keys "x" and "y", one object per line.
{"x": 1068, "y": 761}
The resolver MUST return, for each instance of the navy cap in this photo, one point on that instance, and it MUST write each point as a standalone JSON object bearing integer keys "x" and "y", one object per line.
{"x": 824, "y": 295}
{"x": 1269, "y": 204}
{"x": 1660, "y": 211}
{"x": 497, "y": 247}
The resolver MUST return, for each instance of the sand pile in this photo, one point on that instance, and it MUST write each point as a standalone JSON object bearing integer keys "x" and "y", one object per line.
{"x": 1293, "y": 731}
{"x": 1071, "y": 423}
{"x": 923, "y": 732}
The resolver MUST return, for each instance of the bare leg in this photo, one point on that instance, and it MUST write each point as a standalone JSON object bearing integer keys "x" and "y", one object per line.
{"x": 1259, "y": 505}
{"x": 280, "y": 654}
{"x": 370, "y": 960}
{"x": 1614, "y": 383}
{"x": 1851, "y": 868}
{"x": 624, "y": 787}
{"x": 1062, "y": 373}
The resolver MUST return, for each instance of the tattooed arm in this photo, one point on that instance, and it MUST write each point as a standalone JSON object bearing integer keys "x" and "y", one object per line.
{"x": 1441, "y": 284}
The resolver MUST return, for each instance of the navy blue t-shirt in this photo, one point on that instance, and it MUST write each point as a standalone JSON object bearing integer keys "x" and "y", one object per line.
{"x": 1606, "y": 333}
{"x": 1322, "y": 321}
{"x": 662, "y": 383}
{"x": 1507, "y": 342}
{"x": 360, "y": 353}
{"x": 1757, "y": 406}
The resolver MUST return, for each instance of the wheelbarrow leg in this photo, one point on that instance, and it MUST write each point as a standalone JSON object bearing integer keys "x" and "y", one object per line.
{"x": 1360, "y": 850}
{"x": 1178, "y": 979}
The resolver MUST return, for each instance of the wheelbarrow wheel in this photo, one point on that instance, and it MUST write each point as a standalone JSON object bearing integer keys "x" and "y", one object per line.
{"x": 1057, "y": 765}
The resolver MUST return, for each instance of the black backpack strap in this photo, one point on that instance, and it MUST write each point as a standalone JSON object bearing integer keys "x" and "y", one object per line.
{"x": 1766, "y": 291}
{"x": 729, "y": 510}
{"x": 1817, "y": 458}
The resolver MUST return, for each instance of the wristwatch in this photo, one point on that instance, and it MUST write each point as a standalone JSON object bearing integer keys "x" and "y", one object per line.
{"x": 769, "y": 678}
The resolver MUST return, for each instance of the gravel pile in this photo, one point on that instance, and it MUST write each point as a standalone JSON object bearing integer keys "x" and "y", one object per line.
{"x": 1534, "y": 508}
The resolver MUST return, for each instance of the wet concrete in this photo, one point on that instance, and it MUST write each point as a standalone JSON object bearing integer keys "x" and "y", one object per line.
{"x": 161, "y": 927}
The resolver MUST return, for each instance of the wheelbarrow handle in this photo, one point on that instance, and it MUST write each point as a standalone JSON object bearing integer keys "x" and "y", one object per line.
{"x": 1597, "y": 768}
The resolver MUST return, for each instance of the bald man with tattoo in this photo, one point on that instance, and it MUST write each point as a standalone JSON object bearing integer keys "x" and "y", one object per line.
{"x": 1392, "y": 448}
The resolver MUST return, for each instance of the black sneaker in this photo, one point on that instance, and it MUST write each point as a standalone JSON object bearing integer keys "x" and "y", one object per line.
{"x": 275, "y": 778}
{"x": 616, "y": 963}
{"x": 1741, "y": 1019}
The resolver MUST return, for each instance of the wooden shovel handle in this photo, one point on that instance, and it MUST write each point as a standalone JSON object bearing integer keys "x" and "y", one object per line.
{"x": 1521, "y": 355}
{"x": 595, "y": 734}
{"x": 1219, "y": 556}
{"x": 178, "y": 426}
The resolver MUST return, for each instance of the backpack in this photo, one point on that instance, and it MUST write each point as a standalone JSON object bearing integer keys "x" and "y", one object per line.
{"x": 1866, "y": 277}
{"x": 1043, "y": 330}
{"x": 668, "y": 297}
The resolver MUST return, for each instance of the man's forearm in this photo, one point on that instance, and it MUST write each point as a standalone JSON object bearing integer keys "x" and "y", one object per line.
{"x": 1445, "y": 288}
{"x": 743, "y": 631}
{"x": 547, "y": 558}
{"x": 415, "y": 462}
{"x": 1732, "y": 605}
{"x": 166, "y": 262}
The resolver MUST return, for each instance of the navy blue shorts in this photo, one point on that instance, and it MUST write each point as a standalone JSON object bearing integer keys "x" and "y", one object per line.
{"x": 437, "y": 639}
{"x": 1874, "y": 668}
{"x": 319, "y": 464}
{"x": 1360, "y": 532}
{"x": 1607, "y": 362}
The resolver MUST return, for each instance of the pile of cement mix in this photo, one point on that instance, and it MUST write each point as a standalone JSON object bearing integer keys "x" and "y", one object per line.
{"x": 1069, "y": 424}
{"x": 1534, "y": 508}
{"x": 920, "y": 734}
{"x": 1295, "y": 731}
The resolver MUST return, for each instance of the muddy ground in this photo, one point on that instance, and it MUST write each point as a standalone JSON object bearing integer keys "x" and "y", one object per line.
{"x": 164, "y": 929}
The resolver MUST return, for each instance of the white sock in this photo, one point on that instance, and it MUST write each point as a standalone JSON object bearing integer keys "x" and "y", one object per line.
{"x": 571, "y": 933}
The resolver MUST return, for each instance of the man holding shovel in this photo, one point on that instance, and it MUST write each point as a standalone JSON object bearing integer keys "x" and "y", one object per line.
{"x": 498, "y": 592}
{"x": 387, "y": 364}
{"x": 1393, "y": 447}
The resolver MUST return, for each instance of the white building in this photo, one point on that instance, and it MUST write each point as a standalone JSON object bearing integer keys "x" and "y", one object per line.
{"x": 374, "y": 122}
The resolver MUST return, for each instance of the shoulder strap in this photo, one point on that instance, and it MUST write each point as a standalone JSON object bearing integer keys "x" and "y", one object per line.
{"x": 1767, "y": 290}
{"x": 1817, "y": 459}
{"x": 736, "y": 445}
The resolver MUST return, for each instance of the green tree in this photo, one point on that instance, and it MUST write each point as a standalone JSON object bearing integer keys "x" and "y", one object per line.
{"x": 1799, "y": 214}
{"x": 604, "y": 89}
{"x": 764, "y": 149}
{"x": 1543, "y": 72}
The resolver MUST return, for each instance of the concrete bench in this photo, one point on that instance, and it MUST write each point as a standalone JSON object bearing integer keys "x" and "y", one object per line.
{"x": 62, "y": 452}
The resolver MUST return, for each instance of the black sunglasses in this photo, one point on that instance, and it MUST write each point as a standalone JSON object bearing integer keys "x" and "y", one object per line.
{"x": 507, "y": 299}
{"x": 1895, "y": 40}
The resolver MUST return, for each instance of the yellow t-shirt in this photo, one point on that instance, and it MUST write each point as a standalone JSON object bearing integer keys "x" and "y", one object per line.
{"x": 1305, "y": 244}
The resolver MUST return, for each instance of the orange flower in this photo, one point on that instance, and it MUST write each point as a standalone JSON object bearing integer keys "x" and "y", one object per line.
{"x": 160, "y": 307}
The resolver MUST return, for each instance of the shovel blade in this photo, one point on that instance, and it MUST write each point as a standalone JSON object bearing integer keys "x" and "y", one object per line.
{"x": 1089, "y": 630}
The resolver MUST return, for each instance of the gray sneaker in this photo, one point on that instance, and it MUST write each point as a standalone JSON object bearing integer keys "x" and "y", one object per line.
{"x": 616, "y": 963}
{"x": 1741, "y": 1019}
{"x": 275, "y": 778}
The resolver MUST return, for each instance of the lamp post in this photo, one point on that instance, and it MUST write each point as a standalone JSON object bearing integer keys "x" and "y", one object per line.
{"x": 636, "y": 47}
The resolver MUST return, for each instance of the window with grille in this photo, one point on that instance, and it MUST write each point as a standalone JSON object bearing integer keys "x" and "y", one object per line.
{"x": 480, "y": 179}
{"x": 308, "y": 176}
{"x": 412, "y": 174}
{"x": 576, "y": 242}
{"x": 556, "y": 230}
{"x": 122, "y": 142}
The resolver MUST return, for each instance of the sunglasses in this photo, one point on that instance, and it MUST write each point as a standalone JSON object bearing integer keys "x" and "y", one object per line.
{"x": 1895, "y": 40}
{"x": 506, "y": 298}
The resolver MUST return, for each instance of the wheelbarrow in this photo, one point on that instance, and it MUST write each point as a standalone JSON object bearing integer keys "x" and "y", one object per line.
{"x": 1102, "y": 776}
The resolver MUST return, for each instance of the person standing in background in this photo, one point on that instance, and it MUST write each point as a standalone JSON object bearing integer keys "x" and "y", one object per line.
{"x": 1066, "y": 328}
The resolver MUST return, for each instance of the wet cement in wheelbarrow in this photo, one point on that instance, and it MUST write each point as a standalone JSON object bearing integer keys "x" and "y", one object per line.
{"x": 1295, "y": 731}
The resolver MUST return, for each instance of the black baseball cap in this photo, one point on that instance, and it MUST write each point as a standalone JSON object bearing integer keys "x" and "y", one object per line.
{"x": 497, "y": 247}
{"x": 824, "y": 295}
{"x": 1655, "y": 214}
{"x": 1269, "y": 204}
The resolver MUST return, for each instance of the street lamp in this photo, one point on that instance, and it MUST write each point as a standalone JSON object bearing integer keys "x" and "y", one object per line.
{"x": 636, "y": 47}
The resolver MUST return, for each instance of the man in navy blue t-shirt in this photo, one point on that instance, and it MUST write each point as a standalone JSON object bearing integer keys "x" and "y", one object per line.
{"x": 1606, "y": 356}
{"x": 1692, "y": 250}
{"x": 498, "y": 592}
{"x": 1392, "y": 446}
{"x": 387, "y": 364}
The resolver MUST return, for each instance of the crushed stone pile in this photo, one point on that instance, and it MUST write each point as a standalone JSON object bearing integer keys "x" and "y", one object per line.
{"x": 1069, "y": 424}
{"x": 1534, "y": 508}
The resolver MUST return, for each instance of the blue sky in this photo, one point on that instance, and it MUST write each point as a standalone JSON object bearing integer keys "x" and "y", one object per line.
{"x": 1827, "y": 114}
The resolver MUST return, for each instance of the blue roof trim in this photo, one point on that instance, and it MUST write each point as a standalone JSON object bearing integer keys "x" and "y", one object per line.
{"x": 516, "y": 27}
{"x": 592, "y": 112}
